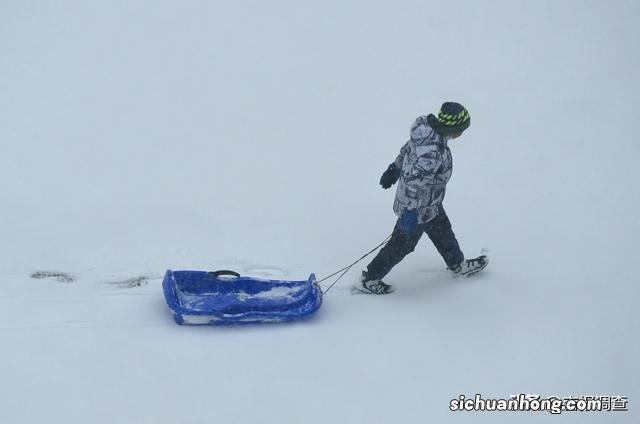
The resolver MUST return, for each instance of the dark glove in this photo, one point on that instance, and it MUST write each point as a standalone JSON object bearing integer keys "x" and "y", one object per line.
{"x": 390, "y": 176}
{"x": 409, "y": 221}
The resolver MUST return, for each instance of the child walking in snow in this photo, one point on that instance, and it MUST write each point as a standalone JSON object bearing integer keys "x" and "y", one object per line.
{"x": 423, "y": 169}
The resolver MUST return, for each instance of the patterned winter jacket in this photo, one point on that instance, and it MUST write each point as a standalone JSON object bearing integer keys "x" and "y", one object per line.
{"x": 425, "y": 164}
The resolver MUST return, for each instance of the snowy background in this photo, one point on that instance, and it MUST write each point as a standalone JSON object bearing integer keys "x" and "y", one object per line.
{"x": 140, "y": 136}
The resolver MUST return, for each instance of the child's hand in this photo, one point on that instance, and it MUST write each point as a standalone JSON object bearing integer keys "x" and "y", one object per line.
{"x": 390, "y": 176}
{"x": 409, "y": 222}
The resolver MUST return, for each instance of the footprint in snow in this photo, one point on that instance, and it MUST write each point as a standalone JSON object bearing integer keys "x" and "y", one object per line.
{"x": 61, "y": 277}
{"x": 137, "y": 281}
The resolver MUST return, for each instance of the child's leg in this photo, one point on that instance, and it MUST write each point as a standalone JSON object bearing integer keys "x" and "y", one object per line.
{"x": 399, "y": 246}
{"x": 440, "y": 232}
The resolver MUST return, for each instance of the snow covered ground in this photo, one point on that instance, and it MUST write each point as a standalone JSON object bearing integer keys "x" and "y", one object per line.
{"x": 142, "y": 136}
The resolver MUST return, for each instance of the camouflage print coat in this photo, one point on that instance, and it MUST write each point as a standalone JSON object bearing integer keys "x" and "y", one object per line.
{"x": 425, "y": 164}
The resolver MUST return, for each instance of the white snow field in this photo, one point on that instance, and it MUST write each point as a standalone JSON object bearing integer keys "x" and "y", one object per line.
{"x": 143, "y": 136}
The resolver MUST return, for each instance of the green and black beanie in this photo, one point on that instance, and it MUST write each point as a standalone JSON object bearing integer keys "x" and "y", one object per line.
{"x": 453, "y": 118}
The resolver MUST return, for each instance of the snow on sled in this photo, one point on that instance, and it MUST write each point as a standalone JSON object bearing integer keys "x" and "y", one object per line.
{"x": 225, "y": 297}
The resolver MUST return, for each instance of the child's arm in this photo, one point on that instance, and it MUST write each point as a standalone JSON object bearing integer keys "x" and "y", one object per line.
{"x": 391, "y": 175}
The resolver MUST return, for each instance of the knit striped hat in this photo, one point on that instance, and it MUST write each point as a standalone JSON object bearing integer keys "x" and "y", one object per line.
{"x": 453, "y": 118}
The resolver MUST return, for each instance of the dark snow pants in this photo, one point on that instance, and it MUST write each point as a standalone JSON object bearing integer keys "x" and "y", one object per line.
{"x": 401, "y": 244}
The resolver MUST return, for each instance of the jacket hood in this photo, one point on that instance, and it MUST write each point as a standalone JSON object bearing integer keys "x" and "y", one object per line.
{"x": 420, "y": 128}
{"x": 423, "y": 126}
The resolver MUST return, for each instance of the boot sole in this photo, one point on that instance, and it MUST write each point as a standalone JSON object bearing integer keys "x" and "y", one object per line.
{"x": 364, "y": 290}
{"x": 475, "y": 271}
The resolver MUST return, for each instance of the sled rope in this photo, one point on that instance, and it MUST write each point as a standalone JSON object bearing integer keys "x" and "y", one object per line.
{"x": 348, "y": 267}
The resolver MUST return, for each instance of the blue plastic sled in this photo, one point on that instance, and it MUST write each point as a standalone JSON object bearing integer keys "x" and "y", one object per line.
{"x": 225, "y": 297}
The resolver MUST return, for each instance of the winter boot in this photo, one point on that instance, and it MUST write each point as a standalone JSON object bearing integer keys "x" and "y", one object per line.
{"x": 471, "y": 266}
{"x": 373, "y": 286}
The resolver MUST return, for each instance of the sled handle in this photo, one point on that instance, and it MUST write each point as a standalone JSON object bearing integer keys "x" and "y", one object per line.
{"x": 223, "y": 272}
